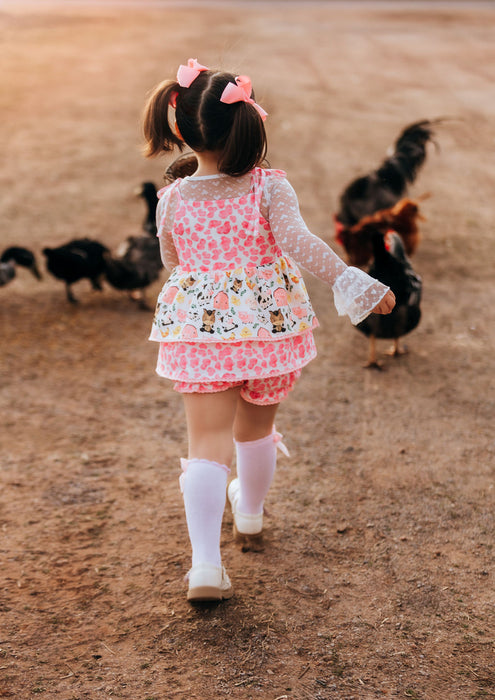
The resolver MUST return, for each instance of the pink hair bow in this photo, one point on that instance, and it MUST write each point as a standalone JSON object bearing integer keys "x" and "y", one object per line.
{"x": 186, "y": 74}
{"x": 241, "y": 92}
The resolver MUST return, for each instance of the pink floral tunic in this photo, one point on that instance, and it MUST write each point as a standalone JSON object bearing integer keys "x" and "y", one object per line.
{"x": 235, "y": 305}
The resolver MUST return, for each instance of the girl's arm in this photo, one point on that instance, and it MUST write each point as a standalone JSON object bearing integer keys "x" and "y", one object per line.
{"x": 355, "y": 293}
{"x": 167, "y": 251}
{"x": 164, "y": 222}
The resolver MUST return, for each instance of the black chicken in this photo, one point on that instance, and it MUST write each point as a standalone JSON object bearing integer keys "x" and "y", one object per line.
{"x": 382, "y": 188}
{"x": 136, "y": 265}
{"x": 392, "y": 267}
{"x": 148, "y": 192}
{"x": 137, "y": 262}
{"x": 79, "y": 259}
{"x": 13, "y": 256}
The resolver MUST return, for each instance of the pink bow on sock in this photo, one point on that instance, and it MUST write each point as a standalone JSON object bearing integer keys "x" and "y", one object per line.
{"x": 241, "y": 92}
{"x": 187, "y": 74}
{"x": 277, "y": 439}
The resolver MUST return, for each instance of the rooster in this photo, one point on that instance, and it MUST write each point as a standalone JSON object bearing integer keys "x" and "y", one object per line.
{"x": 392, "y": 267}
{"x": 377, "y": 225}
{"x": 383, "y": 189}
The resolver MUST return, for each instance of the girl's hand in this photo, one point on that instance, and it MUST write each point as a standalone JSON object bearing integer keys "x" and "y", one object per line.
{"x": 386, "y": 305}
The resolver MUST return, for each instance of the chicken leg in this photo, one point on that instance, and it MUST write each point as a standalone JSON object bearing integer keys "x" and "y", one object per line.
{"x": 372, "y": 361}
{"x": 396, "y": 350}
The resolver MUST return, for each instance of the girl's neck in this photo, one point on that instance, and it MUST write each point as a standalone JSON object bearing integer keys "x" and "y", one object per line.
{"x": 207, "y": 163}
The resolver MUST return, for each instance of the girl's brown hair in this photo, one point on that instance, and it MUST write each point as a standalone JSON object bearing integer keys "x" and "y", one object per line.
{"x": 235, "y": 131}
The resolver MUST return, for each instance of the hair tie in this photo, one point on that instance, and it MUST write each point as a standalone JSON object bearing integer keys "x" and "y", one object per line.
{"x": 187, "y": 74}
{"x": 241, "y": 92}
{"x": 339, "y": 227}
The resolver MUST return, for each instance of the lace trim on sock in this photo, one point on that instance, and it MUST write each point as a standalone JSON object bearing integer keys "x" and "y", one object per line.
{"x": 184, "y": 463}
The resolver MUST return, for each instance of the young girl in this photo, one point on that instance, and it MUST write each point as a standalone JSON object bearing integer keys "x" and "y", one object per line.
{"x": 234, "y": 320}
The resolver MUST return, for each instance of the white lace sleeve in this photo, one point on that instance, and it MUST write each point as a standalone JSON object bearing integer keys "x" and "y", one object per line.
{"x": 355, "y": 293}
{"x": 164, "y": 221}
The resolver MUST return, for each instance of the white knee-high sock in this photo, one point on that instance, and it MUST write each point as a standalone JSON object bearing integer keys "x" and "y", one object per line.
{"x": 203, "y": 484}
{"x": 256, "y": 462}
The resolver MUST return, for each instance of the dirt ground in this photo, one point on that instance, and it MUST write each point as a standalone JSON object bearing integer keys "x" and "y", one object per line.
{"x": 377, "y": 577}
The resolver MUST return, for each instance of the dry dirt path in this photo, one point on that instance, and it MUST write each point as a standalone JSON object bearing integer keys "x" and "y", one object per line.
{"x": 377, "y": 576}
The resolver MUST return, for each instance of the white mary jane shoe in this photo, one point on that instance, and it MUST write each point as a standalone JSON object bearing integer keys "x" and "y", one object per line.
{"x": 208, "y": 582}
{"x": 244, "y": 523}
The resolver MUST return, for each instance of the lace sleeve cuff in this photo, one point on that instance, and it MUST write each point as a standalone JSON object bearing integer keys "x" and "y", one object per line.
{"x": 356, "y": 294}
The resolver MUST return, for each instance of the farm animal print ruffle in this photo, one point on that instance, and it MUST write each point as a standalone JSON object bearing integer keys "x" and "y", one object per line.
{"x": 248, "y": 302}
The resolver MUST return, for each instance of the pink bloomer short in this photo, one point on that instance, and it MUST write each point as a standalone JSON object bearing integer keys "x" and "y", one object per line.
{"x": 263, "y": 392}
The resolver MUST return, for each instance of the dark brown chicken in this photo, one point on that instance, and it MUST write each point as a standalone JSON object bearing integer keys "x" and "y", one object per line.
{"x": 390, "y": 234}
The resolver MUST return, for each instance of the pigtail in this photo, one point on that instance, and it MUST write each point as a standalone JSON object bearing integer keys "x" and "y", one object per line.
{"x": 246, "y": 145}
{"x": 156, "y": 126}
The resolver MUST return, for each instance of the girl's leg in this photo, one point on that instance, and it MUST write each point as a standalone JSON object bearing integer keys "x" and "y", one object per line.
{"x": 210, "y": 420}
{"x": 253, "y": 422}
{"x": 256, "y": 457}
